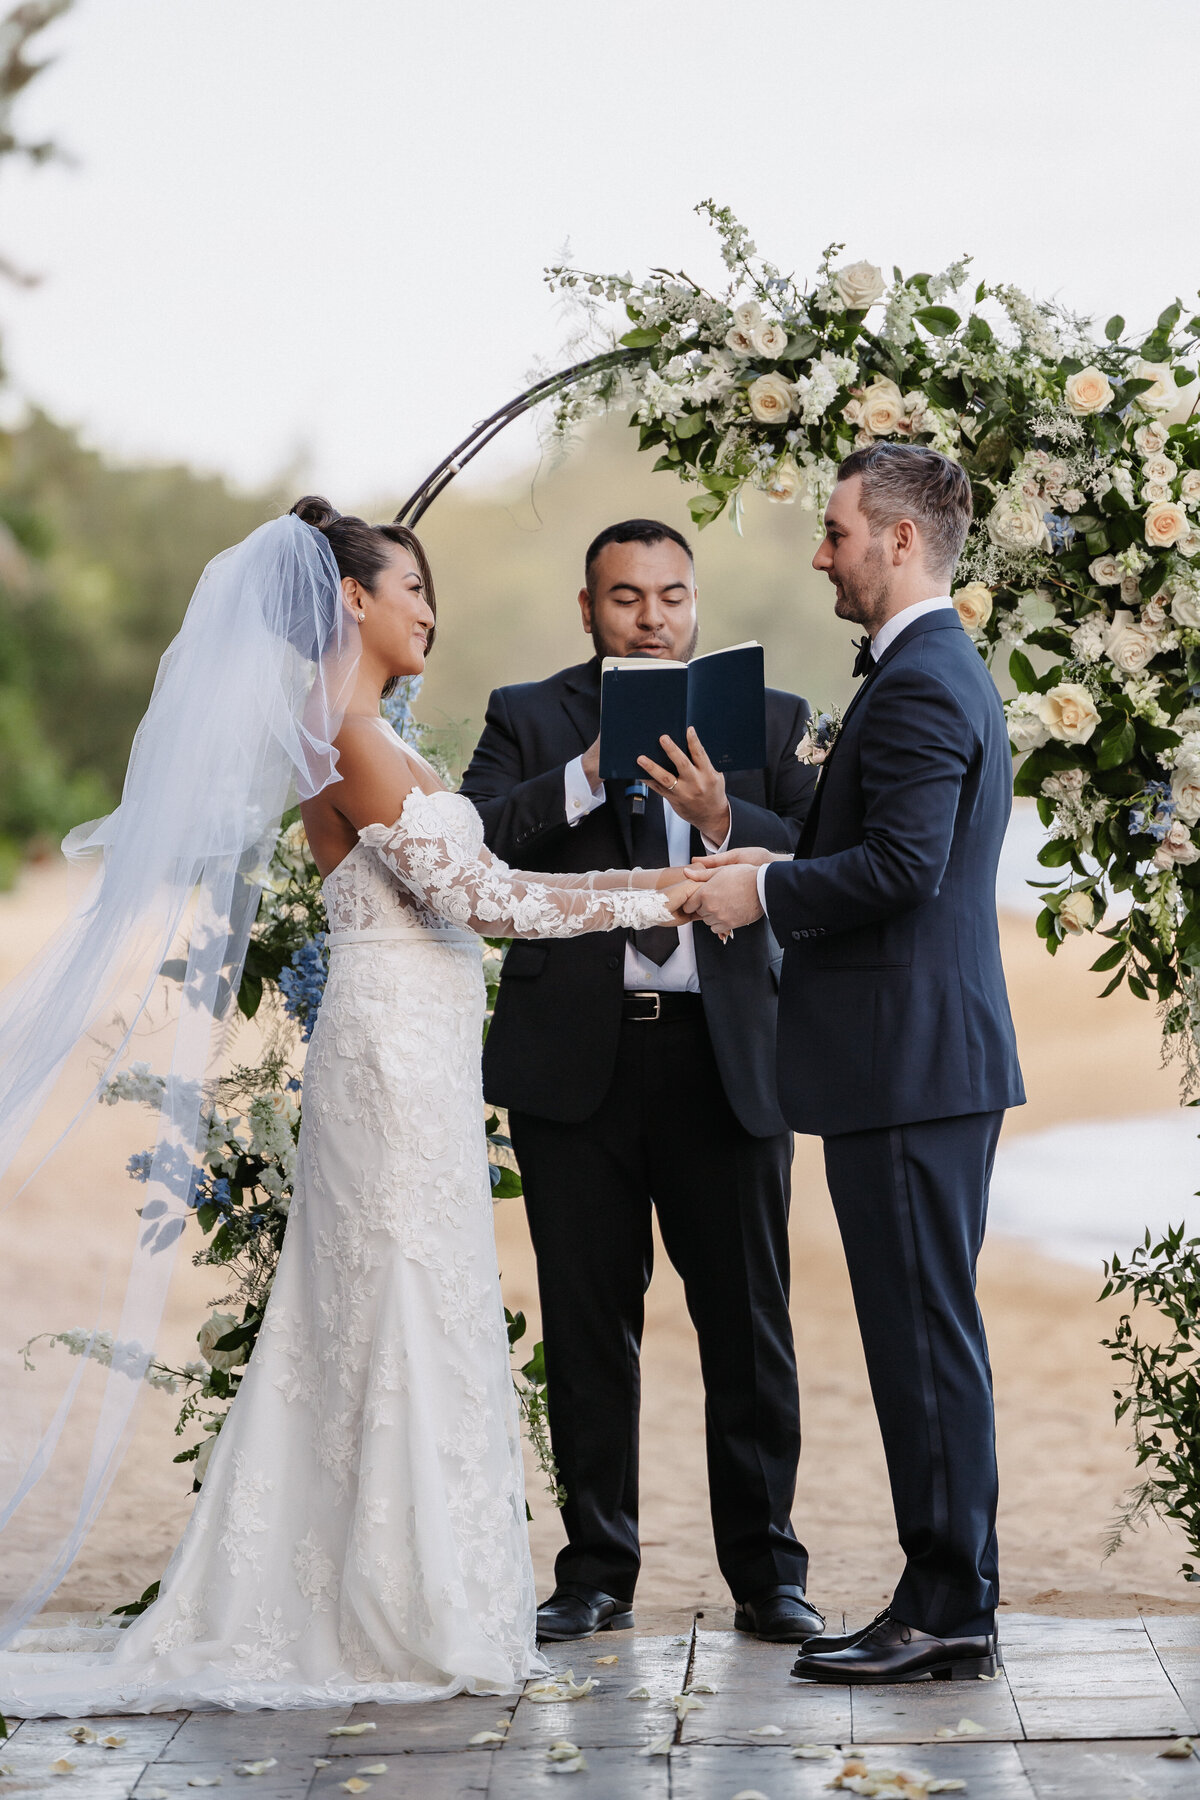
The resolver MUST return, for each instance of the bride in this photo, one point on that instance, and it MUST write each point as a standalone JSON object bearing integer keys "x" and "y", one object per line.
{"x": 360, "y": 1533}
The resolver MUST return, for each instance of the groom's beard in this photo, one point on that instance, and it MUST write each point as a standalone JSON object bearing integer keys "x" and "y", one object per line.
{"x": 864, "y": 597}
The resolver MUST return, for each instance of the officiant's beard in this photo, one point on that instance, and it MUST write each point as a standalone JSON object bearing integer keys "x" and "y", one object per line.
{"x": 864, "y": 595}
{"x": 647, "y": 646}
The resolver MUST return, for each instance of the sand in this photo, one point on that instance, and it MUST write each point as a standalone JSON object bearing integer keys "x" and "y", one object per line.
{"x": 1063, "y": 1462}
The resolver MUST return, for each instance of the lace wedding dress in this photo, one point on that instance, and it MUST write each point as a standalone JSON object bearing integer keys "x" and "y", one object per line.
{"x": 360, "y": 1534}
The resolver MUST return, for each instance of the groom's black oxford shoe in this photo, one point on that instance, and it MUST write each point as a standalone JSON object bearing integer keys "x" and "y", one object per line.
{"x": 577, "y": 1612}
{"x": 889, "y": 1651}
{"x": 779, "y": 1615}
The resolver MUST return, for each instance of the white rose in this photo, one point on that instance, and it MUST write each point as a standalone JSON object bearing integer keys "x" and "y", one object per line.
{"x": 1176, "y": 848}
{"x": 882, "y": 407}
{"x": 740, "y": 341}
{"x": 1166, "y": 523}
{"x": 852, "y": 412}
{"x": 769, "y": 340}
{"x": 1026, "y": 730}
{"x": 786, "y": 483}
{"x": 1161, "y": 396}
{"x": 973, "y": 604}
{"x": 216, "y": 1327}
{"x": 1068, "y": 713}
{"x": 1130, "y": 590}
{"x": 1185, "y": 608}
{"x": 1185, "y": 791}
{"x": 1189, "y": 487}
{"x": 1154, "y": 613}
{"x": 1088, "y": 391}
{"x": 1127, "y": 646}
{"x": 1149, "y": 438}
{"x": 1016, "y": 523}
{"x": 1159, "y": 468}
{"x": 1189, "y": 543}
{"x": 1071, "y": 500}
{"x": 1077, "y": 913}
{"x": 1105, "y": 571}
{"x": 747, "y": 316}
{"x": 859, "y": 286}
{"x": 1155, "y": 491}
{"x": 770, "y": 399}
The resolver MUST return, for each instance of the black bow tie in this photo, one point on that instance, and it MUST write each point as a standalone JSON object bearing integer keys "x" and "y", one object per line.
{"x": 864, "y": 662}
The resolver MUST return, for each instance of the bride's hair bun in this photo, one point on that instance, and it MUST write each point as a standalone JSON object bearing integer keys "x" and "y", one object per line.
{"x": 316, "y": 511}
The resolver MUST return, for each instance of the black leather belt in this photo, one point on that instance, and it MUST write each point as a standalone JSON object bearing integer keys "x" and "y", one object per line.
{"x": 647, "y": 1006}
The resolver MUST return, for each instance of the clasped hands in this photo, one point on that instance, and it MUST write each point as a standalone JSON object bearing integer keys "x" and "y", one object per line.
{"x": 720, "y": 890}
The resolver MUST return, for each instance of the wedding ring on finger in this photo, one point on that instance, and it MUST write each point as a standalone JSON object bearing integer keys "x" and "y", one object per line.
{"x": 673, "y": 785}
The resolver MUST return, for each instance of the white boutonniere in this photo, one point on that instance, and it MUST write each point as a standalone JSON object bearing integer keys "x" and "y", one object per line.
{"x": 819, "y": 738}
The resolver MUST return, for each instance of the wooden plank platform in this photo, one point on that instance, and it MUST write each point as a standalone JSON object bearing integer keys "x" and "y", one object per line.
{"x": 1081, "y": 1711}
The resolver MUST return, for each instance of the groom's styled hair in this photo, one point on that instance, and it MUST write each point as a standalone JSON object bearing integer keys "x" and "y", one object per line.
{"x": 632, "y": 531}
{"x": 907, "y": 481}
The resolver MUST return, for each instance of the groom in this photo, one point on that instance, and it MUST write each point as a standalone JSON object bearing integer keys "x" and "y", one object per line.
{"x": 639, "y": 1076}
{"x": 895, "y": 1040}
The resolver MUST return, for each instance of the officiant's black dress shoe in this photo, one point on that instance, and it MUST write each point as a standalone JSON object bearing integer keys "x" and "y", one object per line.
{"x": 890, "y": 1651}
{"x": 577, "y": 1612}
{"x": 779, "y": 1615}
{"x": 827, "y": 1643}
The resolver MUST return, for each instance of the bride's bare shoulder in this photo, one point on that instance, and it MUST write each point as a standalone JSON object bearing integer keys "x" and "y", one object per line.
{"x": 376, "y": 776}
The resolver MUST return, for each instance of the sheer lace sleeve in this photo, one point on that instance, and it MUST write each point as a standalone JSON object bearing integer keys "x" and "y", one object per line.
{"x": 436, "y": 850}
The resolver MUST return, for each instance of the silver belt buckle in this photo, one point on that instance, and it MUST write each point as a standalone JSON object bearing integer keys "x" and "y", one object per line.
{"x": 649, "y": 994}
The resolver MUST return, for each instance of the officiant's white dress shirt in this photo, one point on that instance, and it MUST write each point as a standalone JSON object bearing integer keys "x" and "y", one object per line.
{"x": 887, "y": 634}
{"x": 679, "y": 974}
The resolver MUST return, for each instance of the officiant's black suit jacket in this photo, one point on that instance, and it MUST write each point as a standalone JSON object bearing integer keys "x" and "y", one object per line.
{"x": 894, "y": 1007}
{"x": 552, "y": 1046}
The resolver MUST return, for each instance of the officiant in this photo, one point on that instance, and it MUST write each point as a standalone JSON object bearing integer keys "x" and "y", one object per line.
{"x": 639, "y": 1078}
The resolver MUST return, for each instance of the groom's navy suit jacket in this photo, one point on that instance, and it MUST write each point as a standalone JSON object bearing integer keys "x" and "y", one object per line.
{"x": 893, "y": 1007}
{"x": 552, "y": 1046}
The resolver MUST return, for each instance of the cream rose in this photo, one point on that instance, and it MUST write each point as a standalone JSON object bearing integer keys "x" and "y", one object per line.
{"x": 786, "y": 483}
{"x": 216, "y": 1327}
{"x": 1148, "y": 439}
{"x": 1068, "y": 713}
{"x": 1105, "y": 571}
{"x": 1185, "y": 791}
{"x": 1071, "y": 500}
{"x": 1127, "y": 646}
{"x": 747, "y": 316}
{"x": 1159, "y": 468}
{"x": 1166, "y": 523}
{"x": 1176, "y": 848}
{"x": 1077, "y": 913}
{"x": 770, "y": 399}
{"x": 1154, "y": 492}
{"x": 973, "y": 604}
{"x": 739, "y": 341}
{"x": 1130, "y": 590}
{"x": 1189, "y": 543}
{"x": 1026, "y": 730}
{"x": 1189, "y": 487}
{"x": 769, "y": 340}
{"x": 859, "y": 286}
{"x": 1160, "y": 397}
{"x": 1016, "y": 523}
{"x": 882, "y": 407}
{"x": 1088, "y": 391}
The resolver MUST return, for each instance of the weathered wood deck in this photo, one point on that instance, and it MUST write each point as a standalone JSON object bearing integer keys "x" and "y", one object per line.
{"x": 1080, "y": 1712}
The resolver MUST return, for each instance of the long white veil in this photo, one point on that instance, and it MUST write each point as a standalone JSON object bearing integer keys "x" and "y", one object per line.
{"x": 246, "y": 705}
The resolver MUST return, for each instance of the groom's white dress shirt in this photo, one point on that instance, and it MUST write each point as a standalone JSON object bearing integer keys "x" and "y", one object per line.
{"x": 887, "y": 634}
{"x": 678, "y": 975}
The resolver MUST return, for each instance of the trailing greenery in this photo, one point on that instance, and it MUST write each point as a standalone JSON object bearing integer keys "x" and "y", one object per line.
{"x": 1160, "y": 1394}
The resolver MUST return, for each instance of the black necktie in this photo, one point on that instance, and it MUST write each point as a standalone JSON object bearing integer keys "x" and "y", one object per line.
{"x": 864, "y": 662}
{"x": 650, "y": 852}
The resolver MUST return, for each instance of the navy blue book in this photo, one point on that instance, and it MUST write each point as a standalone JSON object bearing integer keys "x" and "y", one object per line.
{"x": 644, "y": 697}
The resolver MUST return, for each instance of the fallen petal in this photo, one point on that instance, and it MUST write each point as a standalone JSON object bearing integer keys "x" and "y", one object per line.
{"x": 112, "y": 1741}
{"x": 815, "y": 1752}
{"x": 321, "y": 1762}
{"x": 562, "y": 1751}
{"x": 354, "y": 1785}
{"x": 642, "y": 1693}
{"x": 62, "y": 1767}
{"x": 701, "y": 1687}
{"x": 372, "y": 1769}
{"x": 765, "y": 1731}
{"x": 951, "y": 1784}
{"x": 256, "y": 1768}
{"x": 661, "y": 1745}
{"x": 486, "y": 1737}
{"x": 968, "y": 1728}
{"x": 684, "y": 1704}
{"x": 83, "y": 1734}
{"x": 1181, "y": 1748}
{"x": 353, "y": 1730}
{"x": 570, "y": 1768}
{"x": 204, "y": 1781}
{"x": 606, "y": 1661}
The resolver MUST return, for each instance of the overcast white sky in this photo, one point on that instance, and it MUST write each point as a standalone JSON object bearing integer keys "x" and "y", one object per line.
{"x": 305, "y": 227}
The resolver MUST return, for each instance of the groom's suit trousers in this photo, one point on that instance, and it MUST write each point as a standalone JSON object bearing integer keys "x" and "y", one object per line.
{"x": 911, "y": 1205}
{"x": 665, "y": 1140}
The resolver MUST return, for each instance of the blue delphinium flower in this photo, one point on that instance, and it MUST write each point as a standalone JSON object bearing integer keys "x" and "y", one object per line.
{"x": 397, "y": 708}
{"x": 302, "y": 983}
{"x": 1155, "y": 817}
